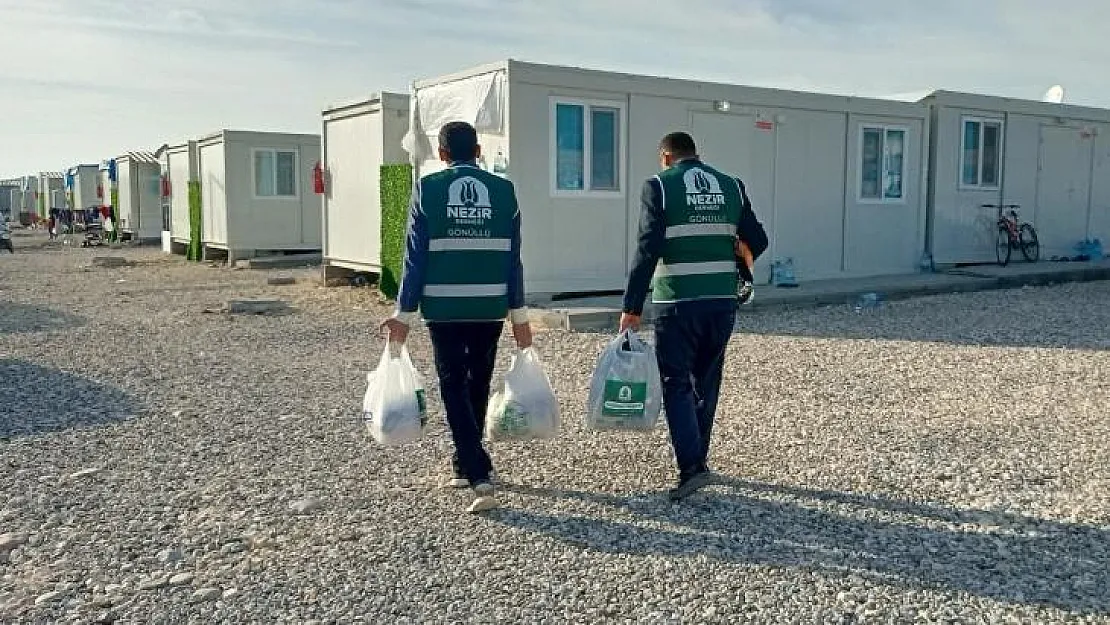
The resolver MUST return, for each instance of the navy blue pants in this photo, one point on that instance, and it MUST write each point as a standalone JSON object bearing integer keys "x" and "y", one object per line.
{"x": 465, "y": 354}
{"x": 691, "y": 352}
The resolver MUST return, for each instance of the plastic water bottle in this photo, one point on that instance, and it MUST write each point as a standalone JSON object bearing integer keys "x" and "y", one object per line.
{"x": 782, "y": 273}
{"x": 927, "y": 263}
{"x": 869, "y": 302}
{"x": 500, "y": 163}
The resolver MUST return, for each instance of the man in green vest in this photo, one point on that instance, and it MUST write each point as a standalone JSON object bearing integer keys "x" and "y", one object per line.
{"x": 463, "y": 272}
{"x": 695, "y": 221}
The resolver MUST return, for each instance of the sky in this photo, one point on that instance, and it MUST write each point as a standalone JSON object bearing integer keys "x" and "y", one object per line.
{"x": 85, "y": 80}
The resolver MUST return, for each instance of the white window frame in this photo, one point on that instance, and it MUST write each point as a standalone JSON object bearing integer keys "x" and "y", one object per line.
{"x": 296, "y": 174}
{"x": 982, "y": 121}
{"x": 863, "y": 128}
{"x": 587, "y": 156}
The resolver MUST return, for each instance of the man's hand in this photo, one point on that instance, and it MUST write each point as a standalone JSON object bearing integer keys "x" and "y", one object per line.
{"x": 743, "y": 251}
{"x": 630, "y": 322}
{"x": 522, "y": 332}
{"x": 397, "y": 330}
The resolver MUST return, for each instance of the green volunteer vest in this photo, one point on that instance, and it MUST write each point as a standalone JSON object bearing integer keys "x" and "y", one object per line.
{"x": 702, "y": 209}
{"x": 470, "y": 225}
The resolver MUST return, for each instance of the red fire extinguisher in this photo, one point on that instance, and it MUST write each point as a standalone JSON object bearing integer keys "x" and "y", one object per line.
{"x": 165, "y": 186}
{"x": 318, "y": 178}
{"x": 99, "y": 191}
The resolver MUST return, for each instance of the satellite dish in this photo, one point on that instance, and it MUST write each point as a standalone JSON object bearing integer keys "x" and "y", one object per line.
{"x": 1055, "y": 95}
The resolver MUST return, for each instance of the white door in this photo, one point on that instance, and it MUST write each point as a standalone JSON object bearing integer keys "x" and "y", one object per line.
{"x": 725, "y": 142}
{"x": 214, "y": 205}
{"x": 1063, "y": 190}
{"x": 353, "y": 203}
{"x": 733, "y": 144}
{"x": 1100, "y": 193}
{"x": 179, "y": 169}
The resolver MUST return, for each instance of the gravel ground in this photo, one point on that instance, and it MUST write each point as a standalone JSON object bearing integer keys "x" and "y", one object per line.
{"x": 938, "y": 460}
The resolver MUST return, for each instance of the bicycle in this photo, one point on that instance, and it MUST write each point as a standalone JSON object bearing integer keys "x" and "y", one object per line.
{"x": 1014, "y": 234}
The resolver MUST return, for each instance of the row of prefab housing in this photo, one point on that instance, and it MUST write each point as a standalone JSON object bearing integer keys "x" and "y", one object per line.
{"x": 846, "y": 186}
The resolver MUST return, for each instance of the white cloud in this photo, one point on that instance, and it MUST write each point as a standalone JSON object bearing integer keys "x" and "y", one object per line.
{"x": 96, "y": 77}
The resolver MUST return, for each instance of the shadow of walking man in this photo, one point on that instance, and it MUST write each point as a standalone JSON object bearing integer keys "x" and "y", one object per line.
{"x": 1001, "y": 556}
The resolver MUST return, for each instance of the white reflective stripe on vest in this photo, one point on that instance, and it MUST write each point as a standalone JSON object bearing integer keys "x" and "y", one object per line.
{"x": 466, "y": 290}
{"x": 699, "y": 230}
{"x": 470, "y": 245}
{"x": 694, "y": 269}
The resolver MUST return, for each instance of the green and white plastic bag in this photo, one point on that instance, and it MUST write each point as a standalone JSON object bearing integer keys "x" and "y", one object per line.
{"x": 394, "y": 408}
{"x": 626, "y": 392}
{"x": 527, "y": 407}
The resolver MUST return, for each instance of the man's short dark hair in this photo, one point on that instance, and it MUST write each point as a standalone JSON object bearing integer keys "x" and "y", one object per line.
{"x": 459, "y": 139}
{"x": 679, "y": 144}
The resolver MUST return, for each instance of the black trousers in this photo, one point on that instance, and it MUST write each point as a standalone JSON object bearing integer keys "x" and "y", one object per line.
{"x": 465, "y": 354}
{"x": 690, "y": 348}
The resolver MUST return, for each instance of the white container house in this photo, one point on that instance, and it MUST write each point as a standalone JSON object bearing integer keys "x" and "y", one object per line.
{"x": 105, "y": 182}
{"x": 17, "y": 211}
{"x": 180, "y": 166}
{"x": 838, "y": 182}
{"x": 28, "y": 199}
{"x": 257, "y": 193}
{"x": 358, "y": 138}
{"x": 140, "y": 202}
{"x": 17, "y": 196}
{"x": 1051, "y": 159}
{"x": 81, "y": 185}
{"x": 7, "y": 200}
{"x": 47, "y": 187}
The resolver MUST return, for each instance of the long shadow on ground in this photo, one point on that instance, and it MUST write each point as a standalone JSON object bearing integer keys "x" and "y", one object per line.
{"x": 1068, "y": 318}
{"x": 1005, "y": 557}
{"x": 37, "y": 400}
{"x": 1072, "y": 318}
{"x": 26, "y": 318}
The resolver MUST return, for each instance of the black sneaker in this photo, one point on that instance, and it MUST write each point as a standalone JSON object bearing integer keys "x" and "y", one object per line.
{"x": 458, "y": 481}
{"x": 745, "y": 292}
{"x": 691, "y": 485}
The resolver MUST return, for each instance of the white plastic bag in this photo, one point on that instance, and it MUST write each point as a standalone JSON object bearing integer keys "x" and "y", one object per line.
{"x": 527, "y": 407}
{"x": 626, "y": 392}
{"x": 394, "y": 408}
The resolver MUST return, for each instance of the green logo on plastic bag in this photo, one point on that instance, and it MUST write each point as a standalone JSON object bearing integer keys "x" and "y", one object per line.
{"x": 624, "y": 399}
{"x": 513, "y": 419}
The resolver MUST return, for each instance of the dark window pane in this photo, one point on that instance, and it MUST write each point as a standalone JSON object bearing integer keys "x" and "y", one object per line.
{"x": 893, "y": 159}
{"x": 286, "y": 174}
{"x": 991, "y": 147}
{"x": 870, "y": 168}
{"x": 570, "y": 138}
{"x": 604, "y": 149}
{"x": 971, "y": 153}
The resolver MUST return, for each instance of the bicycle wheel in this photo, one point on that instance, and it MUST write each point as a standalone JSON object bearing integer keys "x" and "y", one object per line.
{"x": 1002, "y": 247}
{"x": 1030, "y": 246}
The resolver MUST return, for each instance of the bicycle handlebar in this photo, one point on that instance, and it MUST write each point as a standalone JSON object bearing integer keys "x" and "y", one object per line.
{"x": 1000, "y": 205}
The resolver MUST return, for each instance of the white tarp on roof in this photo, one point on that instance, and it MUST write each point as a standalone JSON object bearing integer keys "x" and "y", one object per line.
{"x": 909, "y": 96}
{"x": 140, "y": 157}
{"x": 479, "y": 100}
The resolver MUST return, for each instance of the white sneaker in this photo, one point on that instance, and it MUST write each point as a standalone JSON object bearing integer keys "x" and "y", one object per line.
{"x": 484, "y": 499}
{"x": 483, "y": 504}
{"x": 457, "y": 483}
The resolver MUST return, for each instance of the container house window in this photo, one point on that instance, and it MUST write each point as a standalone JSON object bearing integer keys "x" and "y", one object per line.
{"x": 586, "y": 147}
{"x": 980, "y": 159}
{"x": 882, "y": 163}
{"x": 275, "y": 173}
{"x": 570, "y": 153}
